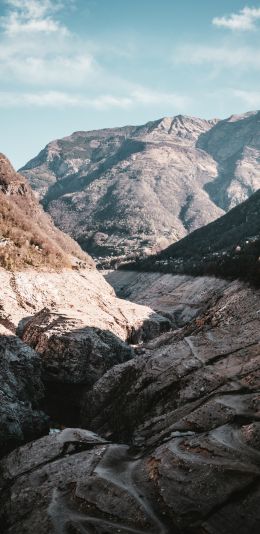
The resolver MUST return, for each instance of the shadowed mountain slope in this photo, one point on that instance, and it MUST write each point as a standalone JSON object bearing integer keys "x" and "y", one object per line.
{"x": 228, "y": 247}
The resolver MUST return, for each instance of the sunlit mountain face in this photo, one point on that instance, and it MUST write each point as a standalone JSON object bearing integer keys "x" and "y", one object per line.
{"x": 132, "y": 191}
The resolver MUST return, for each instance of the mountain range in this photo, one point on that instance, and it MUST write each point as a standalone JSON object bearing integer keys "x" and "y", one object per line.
{"x": 129, "y": 191}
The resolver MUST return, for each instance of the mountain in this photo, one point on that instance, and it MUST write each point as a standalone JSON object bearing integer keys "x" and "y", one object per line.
{"x": 135, "y": 190}
{"x": 228, "y": 247}
{"x": 28, "y": 238}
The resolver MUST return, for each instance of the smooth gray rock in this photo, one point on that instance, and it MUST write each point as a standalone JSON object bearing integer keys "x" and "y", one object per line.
{"x": 217, "y": 352}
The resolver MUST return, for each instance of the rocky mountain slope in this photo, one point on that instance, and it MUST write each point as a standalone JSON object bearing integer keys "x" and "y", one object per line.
{"x": 228, "y": 247}
{"x": 132, "y": 190}
{"x": 27, "y": 235}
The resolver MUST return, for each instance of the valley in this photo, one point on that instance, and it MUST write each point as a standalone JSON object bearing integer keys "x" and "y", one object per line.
{"x": 130, "y": 398}
{"x": 129, "y": 267}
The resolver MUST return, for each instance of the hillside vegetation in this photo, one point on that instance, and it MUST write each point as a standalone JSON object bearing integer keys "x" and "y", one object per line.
{"x": 228, "y": 248}
{"x": 27, "y": 235}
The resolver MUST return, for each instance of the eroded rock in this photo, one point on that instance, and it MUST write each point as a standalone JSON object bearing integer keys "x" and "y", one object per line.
{"x": 75, "y": 482}
{"x": 188, "y": 409}
{"x": 21, "y": 390}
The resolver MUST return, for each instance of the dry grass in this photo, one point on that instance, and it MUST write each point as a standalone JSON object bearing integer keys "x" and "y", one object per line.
{"x": 28, "y": 237}
{"x": 26, "y": 244}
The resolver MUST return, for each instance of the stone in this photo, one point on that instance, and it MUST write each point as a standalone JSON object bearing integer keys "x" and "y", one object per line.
{"x": 21, "y": 392}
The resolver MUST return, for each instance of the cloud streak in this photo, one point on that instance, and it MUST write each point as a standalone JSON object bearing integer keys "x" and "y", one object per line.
{"x": 59, "y": 99}
{"x": 244, "y": 20}
{"x": 225, "y": 57}
{"x": 61, "y": 70}
{"x": 249, "y": 98}
{"x": 32, "y": 16}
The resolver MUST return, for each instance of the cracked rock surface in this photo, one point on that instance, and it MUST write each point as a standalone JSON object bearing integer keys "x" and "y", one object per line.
{"x": 21, "y": 390}
{"x": 177, "y": 443}
{"x": 75, "y": 322}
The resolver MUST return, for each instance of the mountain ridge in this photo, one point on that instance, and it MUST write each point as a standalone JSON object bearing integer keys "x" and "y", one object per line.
{"x": 28, "y": 237}
{"x": 121, "y": 192}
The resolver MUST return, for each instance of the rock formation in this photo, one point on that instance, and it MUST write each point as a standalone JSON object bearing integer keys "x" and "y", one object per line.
{"x": 21, "y": 390}
{"x": 160, "y": 402}
{"x": 179, "y": 450}
{"x": 65, "y": 310}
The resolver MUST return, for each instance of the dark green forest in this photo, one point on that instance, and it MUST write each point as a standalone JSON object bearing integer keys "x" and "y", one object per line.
{"x": 228, "y": 248}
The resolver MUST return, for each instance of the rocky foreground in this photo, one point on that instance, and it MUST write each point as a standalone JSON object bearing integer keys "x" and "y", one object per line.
{"x": 78, "y": 328}
{"x": 169, "y": 439}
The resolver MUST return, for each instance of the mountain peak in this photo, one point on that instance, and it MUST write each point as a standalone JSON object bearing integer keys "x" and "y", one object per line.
{"x": 10, "y": 181}
{"x": 242, "y": 116}
{"x": 7, "y": 172}
{"x": 27, "y": 235}
{"x": 135, "y": 189}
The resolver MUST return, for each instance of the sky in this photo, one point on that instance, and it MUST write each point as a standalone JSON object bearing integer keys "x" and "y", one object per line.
{"x": 69, "y": 65}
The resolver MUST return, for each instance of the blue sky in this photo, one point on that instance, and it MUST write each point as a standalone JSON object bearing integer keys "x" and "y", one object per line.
{"x": 68, "y": 65}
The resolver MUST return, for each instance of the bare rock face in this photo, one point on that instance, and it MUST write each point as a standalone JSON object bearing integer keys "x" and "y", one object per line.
{"x": 182, "y": 420}
{"x": 75, "y": 355}
{"x": 180, "y": 298}
{"x": 193, "y": 399}
{"x": 75, "y": 482}
{"x": 74, "y": 352}
{"x": 125, "y": 191}
{"x": 78, "y": 326}
{"x": 217, "y": 352}
{"x": 83, "y": 298}
{"x": 21, "y": 390}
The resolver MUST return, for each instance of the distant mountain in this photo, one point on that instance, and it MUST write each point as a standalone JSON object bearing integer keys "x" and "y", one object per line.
{"x": 28, "y": 238}
{"x": 228, "y": 247}
{"x": 134, "y": 190}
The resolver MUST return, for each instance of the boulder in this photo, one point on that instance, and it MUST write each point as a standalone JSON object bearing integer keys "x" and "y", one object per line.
{"x": 21, "y": 390}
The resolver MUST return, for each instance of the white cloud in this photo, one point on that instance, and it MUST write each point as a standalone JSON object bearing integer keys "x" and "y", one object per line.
{"x": 32, "y": 16}
{"x": 58, "y": 60}
{"x": 59, "y": 99}
{"x": 222, "y": 56}
{"x": 148, "y": 97}
{"x": 63, "y": 70}
{"x": 56, "y": 99}
{"x": 49, "y": 71}
{"x": 249, "y": 98}
{"x": 244, "y": 20}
